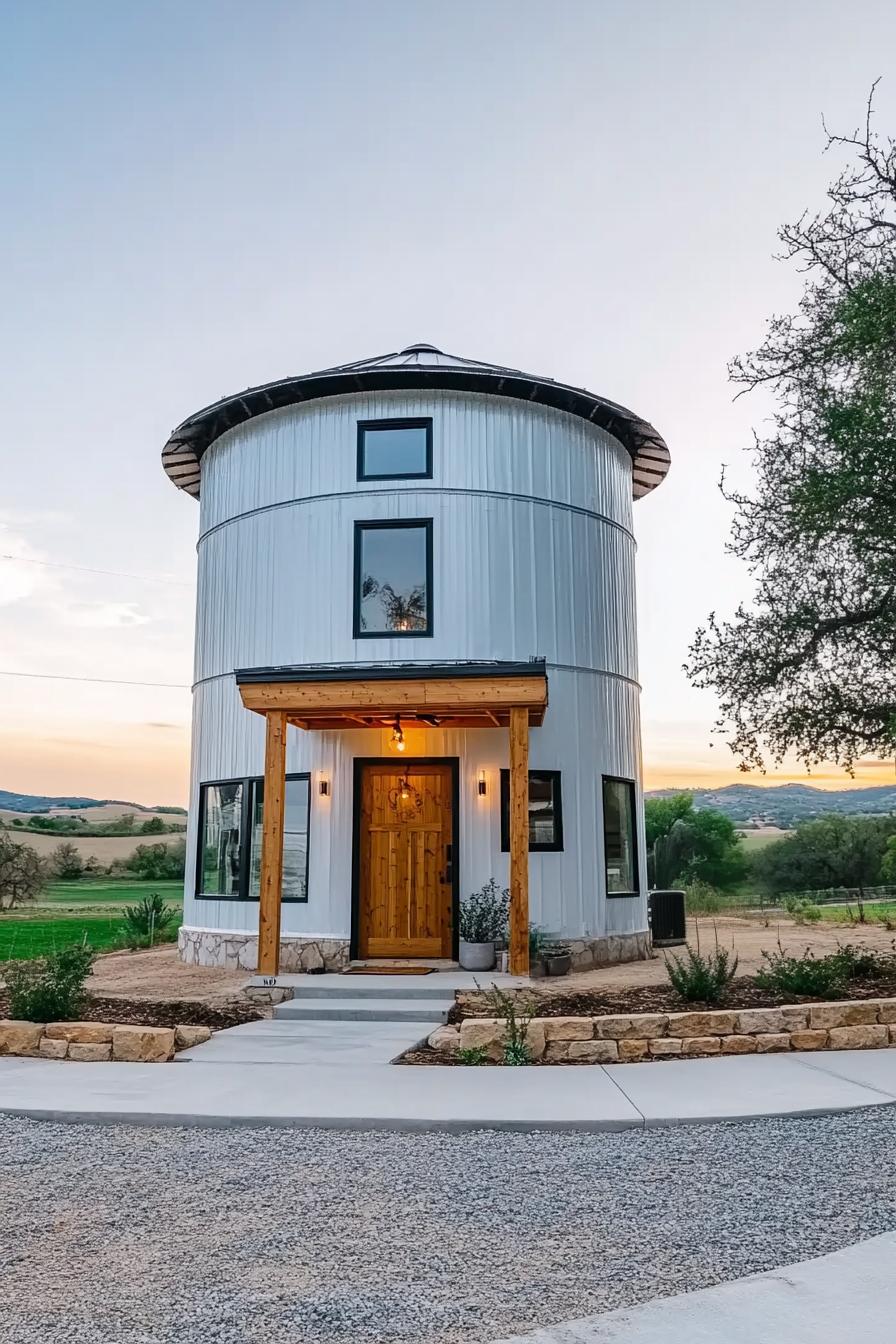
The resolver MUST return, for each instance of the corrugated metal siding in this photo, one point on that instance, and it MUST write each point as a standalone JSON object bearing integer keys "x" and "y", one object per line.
{"x": 480, "y": 443}
{"x": 522, "y": 566}
{"x": 591, "y": 729}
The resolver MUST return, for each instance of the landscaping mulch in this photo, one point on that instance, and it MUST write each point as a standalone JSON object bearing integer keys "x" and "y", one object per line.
{"x": 741, "y": 993}
{"x": 167, "y": 1013}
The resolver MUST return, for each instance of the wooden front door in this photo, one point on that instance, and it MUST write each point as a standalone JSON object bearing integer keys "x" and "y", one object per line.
{"x": 406, "y": 853}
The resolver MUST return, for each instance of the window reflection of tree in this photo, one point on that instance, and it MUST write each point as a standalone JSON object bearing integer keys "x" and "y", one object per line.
{"x": 401, "y": 611}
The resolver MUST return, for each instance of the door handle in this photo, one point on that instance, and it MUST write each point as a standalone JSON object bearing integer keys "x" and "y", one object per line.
{"x": 448, "y": 875}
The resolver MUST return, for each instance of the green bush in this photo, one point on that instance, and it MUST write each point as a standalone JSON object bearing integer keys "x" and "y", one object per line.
{"x": 806, "y": 976}
{"x": 472, "y": 1054}
{"x": 484, "y": 914}
{"x": 516, "y": 1011}
{"x": 52, "y": 989}
{"x": 702, "y": 899}
{"x": 801, "y": 910}
{"x": 150, "y": 921}
{"x": 702, "y": 977}
{"x": 863, "y": 963}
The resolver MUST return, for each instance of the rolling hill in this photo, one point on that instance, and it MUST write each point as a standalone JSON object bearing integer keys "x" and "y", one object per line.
{"x": 35, "y": 802}
{"x": 787, "y": 804}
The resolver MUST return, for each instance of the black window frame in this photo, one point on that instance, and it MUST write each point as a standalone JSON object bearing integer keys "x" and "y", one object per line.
{"x": 248, "y": 783}
{"x": 399, "y": 422}
{"x": 636, "y": 867}
{"x": 556, "y": 845}
{"x": 394, "y": 524}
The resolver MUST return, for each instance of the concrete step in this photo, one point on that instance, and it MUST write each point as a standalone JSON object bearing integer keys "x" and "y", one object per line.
{"x": 376, "y": 987}
{"x": 333, "y": 1009}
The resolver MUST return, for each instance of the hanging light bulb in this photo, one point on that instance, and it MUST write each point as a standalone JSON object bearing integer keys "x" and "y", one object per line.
{"x": 398, "y": 736}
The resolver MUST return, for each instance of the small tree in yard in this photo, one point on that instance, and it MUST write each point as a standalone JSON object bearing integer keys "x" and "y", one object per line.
{"x": 66, "y": 861}
{"x": 22, "y": 873}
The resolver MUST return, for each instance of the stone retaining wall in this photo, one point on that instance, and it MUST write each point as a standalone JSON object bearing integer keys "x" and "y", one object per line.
{"x": 864, "y": 1024}
{"x": 93, "y": 1042}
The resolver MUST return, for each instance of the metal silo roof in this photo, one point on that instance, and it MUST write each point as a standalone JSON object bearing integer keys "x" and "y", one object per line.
{"x": 417, "y": 367}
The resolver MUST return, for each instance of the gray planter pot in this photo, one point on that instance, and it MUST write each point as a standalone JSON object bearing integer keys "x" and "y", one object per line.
{"x": 476, "y": 956}
{"x": 560, "y": 964}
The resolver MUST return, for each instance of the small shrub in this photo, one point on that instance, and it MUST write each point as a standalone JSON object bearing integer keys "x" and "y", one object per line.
{"x": 148, "y": 922}
{"x": 484, "y": 914}
{"x": 537, "y": 943}
{"x": 472, "y": 1054}
{"x": 863, "y": 963}
{"x": 51, "y": 989}
{"x": 516, "y": 1012}
{"x": 806, "y": 976}
{"x": 702, "y": 899}
{"x": 702, "y": 977}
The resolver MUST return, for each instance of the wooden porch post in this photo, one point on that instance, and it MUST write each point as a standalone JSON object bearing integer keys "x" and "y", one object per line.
{"x": 272, "y": 843}
{"x": 519, "y": 842}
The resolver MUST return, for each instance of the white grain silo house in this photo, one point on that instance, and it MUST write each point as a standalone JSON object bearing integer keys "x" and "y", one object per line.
{"x": 416, "y": 664}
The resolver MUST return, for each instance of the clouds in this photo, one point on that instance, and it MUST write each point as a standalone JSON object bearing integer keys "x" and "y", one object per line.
{"x": 103, "y": 615}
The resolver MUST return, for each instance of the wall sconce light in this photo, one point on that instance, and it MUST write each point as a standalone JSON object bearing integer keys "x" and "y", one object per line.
{"x": 481, "y": 783}
{"x": 397, "y": 735}
{"x": 324, "y": 787}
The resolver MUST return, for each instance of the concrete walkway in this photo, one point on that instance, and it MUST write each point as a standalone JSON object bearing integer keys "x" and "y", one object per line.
{"x": 851, "y": 1293}
{"x": 337, "y": 1074}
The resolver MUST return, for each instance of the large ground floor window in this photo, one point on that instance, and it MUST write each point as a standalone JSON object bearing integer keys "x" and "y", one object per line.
{"x": 231, "y": 819}
{"x": 545, "y": 811}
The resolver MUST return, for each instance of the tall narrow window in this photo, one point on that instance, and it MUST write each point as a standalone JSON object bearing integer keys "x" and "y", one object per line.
{"x": 393, "y": 578}
{"x": 221, "y": 839}
{"x": 620, "y": 848}
{"x": 545, "y": 811}
{"x": 390, "y": 450}
{"x": 295, "y": 838}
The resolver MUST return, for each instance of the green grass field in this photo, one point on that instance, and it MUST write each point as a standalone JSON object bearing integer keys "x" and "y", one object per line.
{"x": 105, "y": 893}
{"x": 69, "y": 912}
{"x": 874, "y": 913}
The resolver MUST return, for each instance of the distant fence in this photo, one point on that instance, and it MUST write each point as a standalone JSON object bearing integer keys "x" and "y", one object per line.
{"x": 834, "y": 896}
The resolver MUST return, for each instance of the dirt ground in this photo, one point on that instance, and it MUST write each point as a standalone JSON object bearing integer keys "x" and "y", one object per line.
{"x": 748, "y": 937}
{"x": 158, "y": 974}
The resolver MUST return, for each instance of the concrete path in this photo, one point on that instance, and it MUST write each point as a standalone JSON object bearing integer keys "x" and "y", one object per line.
{"x": 338, "y": 1075}
{"x": 850, "y": 1294}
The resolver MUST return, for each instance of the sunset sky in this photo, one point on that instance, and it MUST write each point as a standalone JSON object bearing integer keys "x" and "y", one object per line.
{"x": 207, "y": 196}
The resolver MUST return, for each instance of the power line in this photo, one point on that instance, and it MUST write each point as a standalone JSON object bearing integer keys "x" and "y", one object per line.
{"x": 84, "y": 569}
{"x": 97, "y": 681}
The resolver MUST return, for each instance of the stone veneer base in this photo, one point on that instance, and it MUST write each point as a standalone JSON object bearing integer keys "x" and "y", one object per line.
{"x": 239, "y": 951}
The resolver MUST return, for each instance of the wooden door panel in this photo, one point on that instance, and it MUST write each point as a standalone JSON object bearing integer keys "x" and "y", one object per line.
{"x": 406, "y": 827}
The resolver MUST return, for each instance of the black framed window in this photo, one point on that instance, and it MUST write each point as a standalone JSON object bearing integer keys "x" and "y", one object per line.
{"x": 231, "y": 816}
{"x": 545, "y": 811}
{"x": 393, "y": 450}
{"x": 393, "y": 579}
{"x": 620, "y": 836}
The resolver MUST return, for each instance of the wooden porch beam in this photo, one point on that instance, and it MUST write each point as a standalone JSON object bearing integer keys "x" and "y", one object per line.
{"x": 434, "y": 696}
{"x": 271, "y": 879}
{"x": 519, "y": 842}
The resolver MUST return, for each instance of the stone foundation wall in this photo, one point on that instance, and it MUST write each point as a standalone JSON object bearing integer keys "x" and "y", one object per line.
{"x": 608, "y": 951}
{"x": 239, "y": 951}
{"x": 864, "y": 1024}
{"x": 94, "y": 1042}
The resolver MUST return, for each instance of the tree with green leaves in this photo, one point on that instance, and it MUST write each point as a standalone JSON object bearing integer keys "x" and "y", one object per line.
{"x": 809, "y": 666}
{"x": 22, "y": 873}
{"x": 686, "y": 844}
{"x": 66, "y": 861}
{"x": 830, "y": 852}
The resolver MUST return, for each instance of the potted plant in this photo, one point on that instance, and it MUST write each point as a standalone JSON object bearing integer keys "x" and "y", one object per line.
{"x": 556, "y": 959}
{"x": 483, "y": 920}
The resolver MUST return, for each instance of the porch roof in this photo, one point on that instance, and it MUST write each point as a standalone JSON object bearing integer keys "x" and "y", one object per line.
{"x": 359, "y": 695}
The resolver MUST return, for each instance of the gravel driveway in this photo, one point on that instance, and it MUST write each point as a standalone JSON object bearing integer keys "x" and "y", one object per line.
{"x": 141, "y": 1236}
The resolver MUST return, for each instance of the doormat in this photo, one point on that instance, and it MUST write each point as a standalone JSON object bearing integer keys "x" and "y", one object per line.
{"x": 388, "y": 970}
